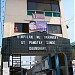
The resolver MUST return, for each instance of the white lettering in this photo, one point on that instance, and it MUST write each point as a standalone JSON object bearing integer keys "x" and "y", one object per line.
{"x": 38, "y": 37}
{"x": 50, "y": 37}
{"x": 37, "y": 48}
{"x": 18, "y": 37}
{"x": 50, "y": 42}
{"x": 22, "y": 42}
{"x": 25, "y": 36}
{"x": 35, "y": 42}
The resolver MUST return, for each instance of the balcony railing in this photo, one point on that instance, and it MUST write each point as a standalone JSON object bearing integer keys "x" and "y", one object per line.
{"x": 46, "y": 13}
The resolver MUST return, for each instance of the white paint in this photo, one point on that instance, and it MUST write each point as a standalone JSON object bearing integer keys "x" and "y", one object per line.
{"x": 5, "y": 71}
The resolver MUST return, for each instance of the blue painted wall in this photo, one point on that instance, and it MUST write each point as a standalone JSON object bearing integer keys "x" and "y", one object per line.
{"x": 2, "y": 12}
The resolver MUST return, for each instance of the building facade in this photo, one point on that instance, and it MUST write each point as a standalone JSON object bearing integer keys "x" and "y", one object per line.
{"x": 26, "y": 16}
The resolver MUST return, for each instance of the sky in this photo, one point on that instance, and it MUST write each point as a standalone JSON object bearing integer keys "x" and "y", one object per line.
{"x": 68, "y": 7}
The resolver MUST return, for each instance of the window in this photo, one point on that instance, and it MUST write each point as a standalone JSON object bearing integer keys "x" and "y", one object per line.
{"x": 21, "y": 27}
{"x": 55, "y": 7}
{"x": 31, "y": 6}
{"x": 44, "y": 5}
{"x": 43, "y": 63}
{"x": 55, "y": 29}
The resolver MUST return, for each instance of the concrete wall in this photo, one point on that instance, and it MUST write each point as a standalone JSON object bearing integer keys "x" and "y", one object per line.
{"x": 63, "y": 23}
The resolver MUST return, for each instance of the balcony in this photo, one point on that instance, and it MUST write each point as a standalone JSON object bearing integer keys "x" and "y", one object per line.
{"x": 46, "y": 13}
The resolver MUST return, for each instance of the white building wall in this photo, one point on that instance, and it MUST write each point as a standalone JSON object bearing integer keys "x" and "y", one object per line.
{"x": 15, "y": 12}
{"x": 63, "y": 23}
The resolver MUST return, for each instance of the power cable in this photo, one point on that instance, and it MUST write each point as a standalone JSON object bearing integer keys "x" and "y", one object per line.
{"x": 68, "y": 19}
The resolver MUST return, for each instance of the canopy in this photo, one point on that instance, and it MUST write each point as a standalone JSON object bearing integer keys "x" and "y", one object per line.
{"x": 73, "y": 44}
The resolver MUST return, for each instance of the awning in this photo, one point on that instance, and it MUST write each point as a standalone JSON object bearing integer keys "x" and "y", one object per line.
{"x": 73, "y": 44}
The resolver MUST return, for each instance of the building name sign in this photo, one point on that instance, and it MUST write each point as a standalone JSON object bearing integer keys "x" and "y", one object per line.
{"x": 37, "y": 48}
{"x": 37, "y": 37}
{"x": 37, "y": 42}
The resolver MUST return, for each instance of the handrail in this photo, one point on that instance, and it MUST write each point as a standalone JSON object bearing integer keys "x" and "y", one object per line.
{"x": 43, "y": 11}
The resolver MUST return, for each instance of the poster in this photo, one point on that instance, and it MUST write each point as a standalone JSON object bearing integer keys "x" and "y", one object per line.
{"x": 32, "y": 26}
{"x": 41, "y": 26}
{"x": 37, "y": 26}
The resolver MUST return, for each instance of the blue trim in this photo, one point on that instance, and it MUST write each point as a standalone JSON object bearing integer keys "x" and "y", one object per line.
{"x": 2, "y": 16}
{"x": 57, "y": 64}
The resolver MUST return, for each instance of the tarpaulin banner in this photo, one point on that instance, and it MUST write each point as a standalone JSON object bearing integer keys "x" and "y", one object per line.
{"x": 41, "y": 26}
{"x": 37, "y": 26}
{"x": 32, "y": 26}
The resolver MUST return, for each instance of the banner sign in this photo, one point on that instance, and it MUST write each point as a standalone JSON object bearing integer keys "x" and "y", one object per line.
{"x": 35, "y": 42}
{"x": 37, "y": 26}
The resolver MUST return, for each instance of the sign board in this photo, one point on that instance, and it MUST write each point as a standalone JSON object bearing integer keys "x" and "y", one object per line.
{"x": 37, "y": 26}
{"x": 35, "y": 42}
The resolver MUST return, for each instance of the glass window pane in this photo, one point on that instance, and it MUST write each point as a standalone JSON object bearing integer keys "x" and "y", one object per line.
{"x": 48, "y": 13}
{"x": 30, "y": 12}
{"x": 44, "y": 7}
{"x": 55, "y": 29}
{"x": 55, "y": 7}
{"x": 46, "y": 1}
{"x": 31, "y": 0}
{"x": 55, "y": 14}
{"x": 39, "y": 12}
{"x": 40, "y": 6}
{"x": 21, "y": 27}
{"x": 39, "y": 1}
{"x": 18, "y": 27}
{"x": 31, "y": 6}
{"x": 47, "y": 7}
